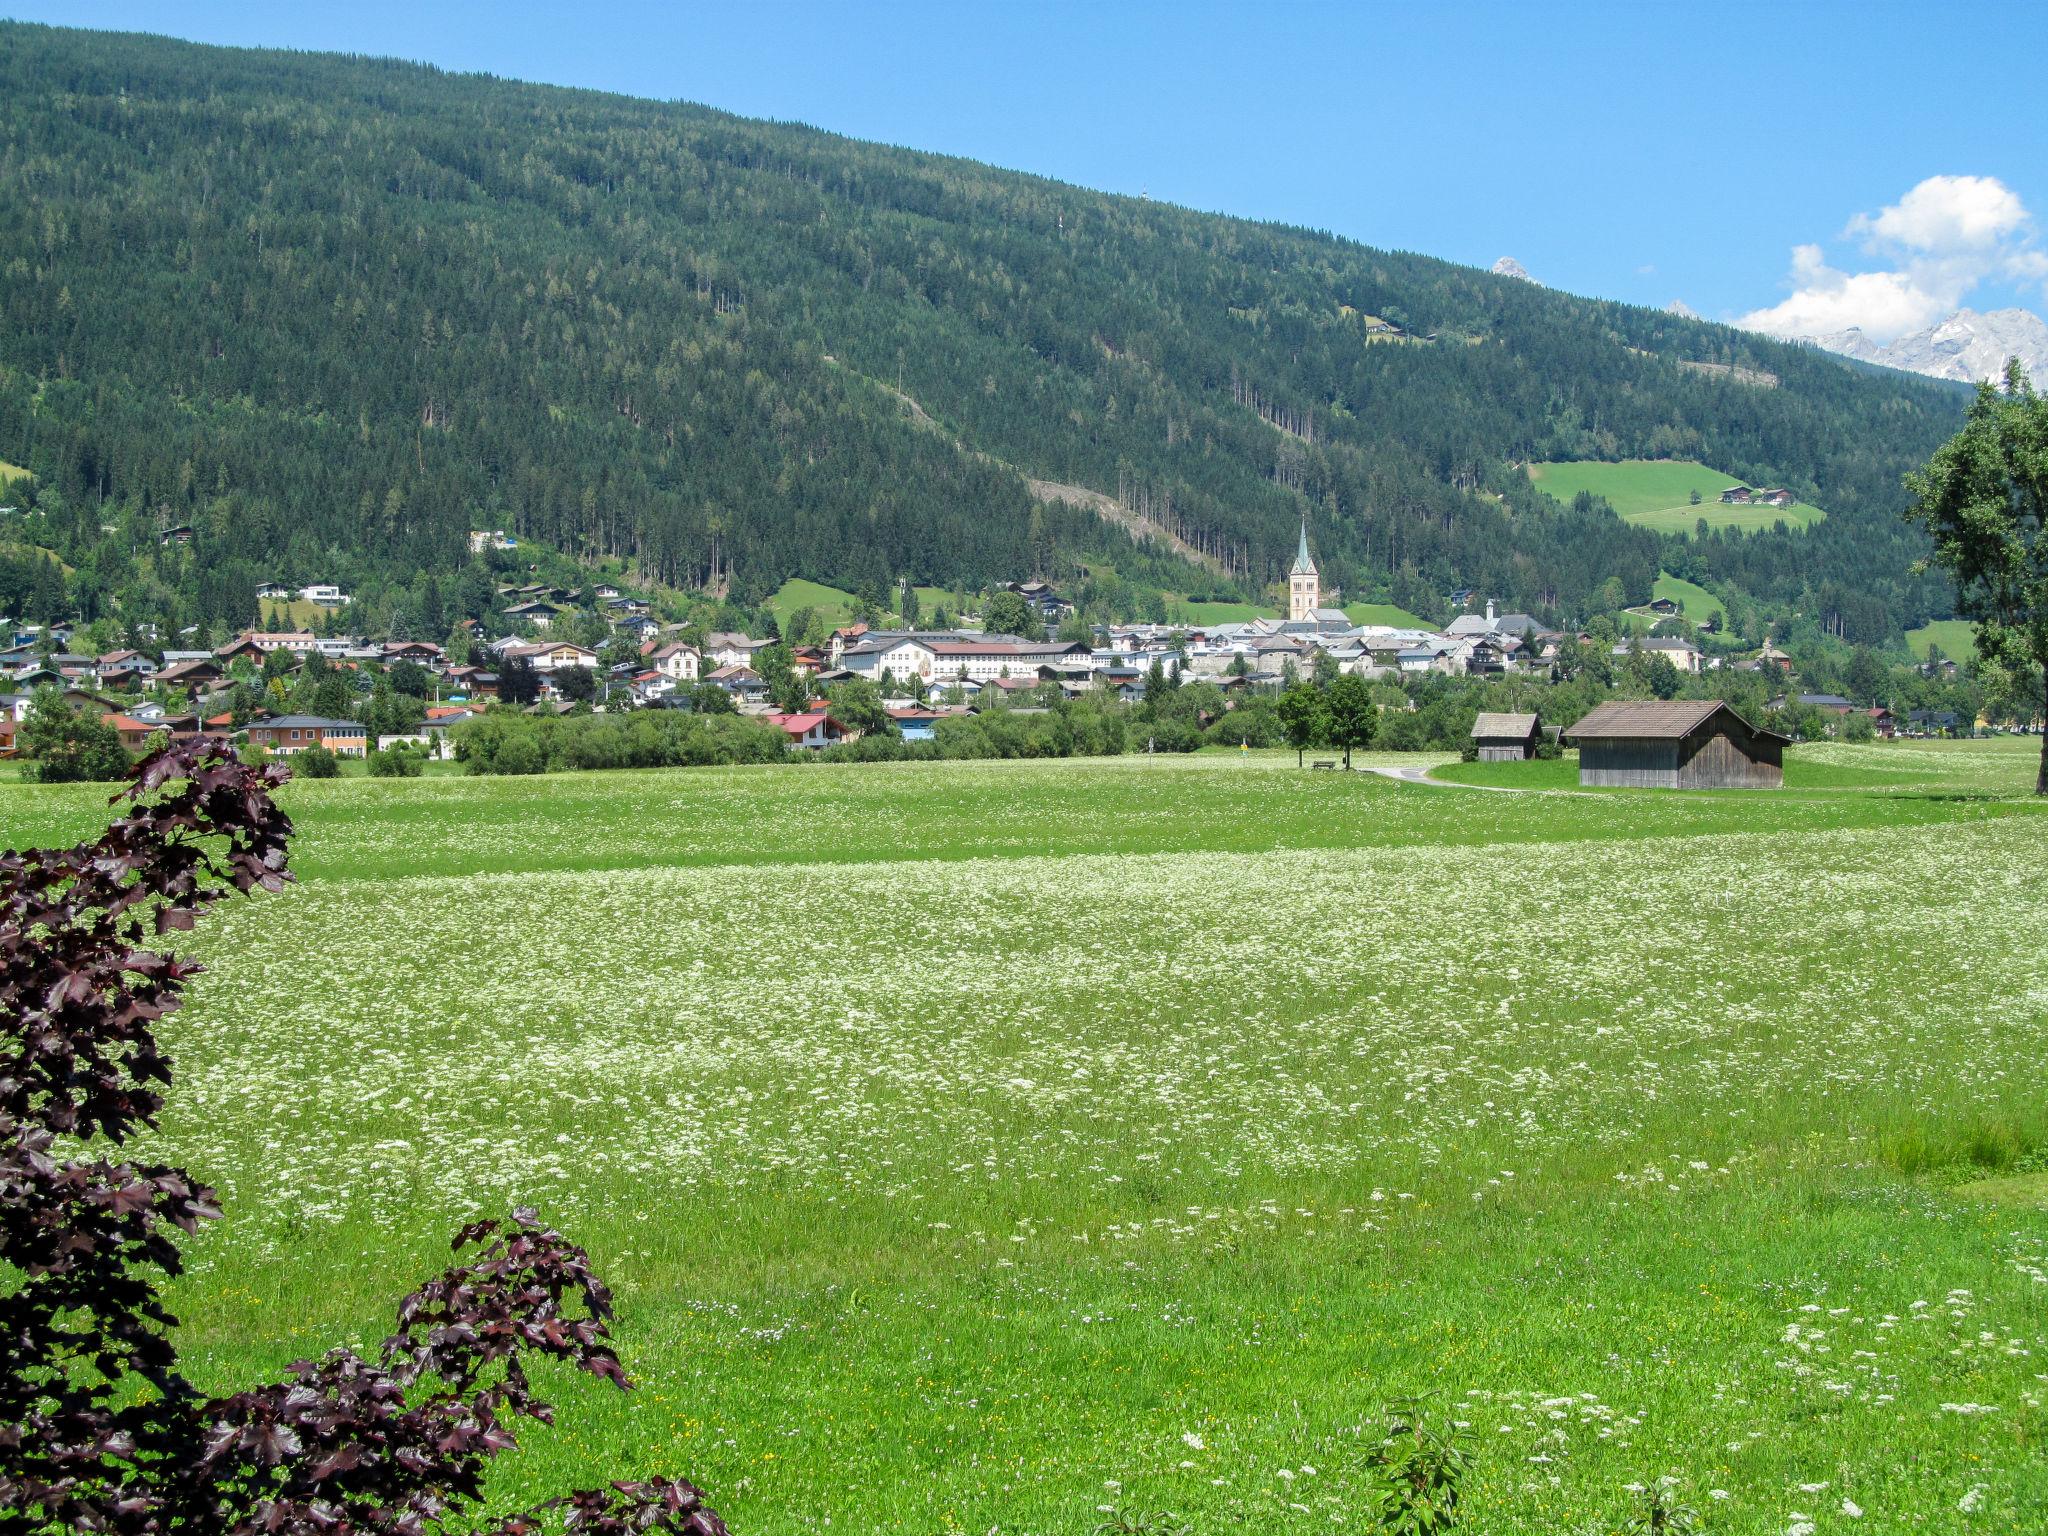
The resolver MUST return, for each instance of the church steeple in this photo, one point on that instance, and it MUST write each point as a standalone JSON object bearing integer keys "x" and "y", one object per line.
{"x": 1303, "y": 585}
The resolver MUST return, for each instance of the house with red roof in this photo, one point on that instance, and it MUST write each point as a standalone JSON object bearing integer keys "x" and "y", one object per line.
{"x": 813, "y": 728}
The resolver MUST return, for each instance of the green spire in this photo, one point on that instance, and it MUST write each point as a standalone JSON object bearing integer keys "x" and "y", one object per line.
{"x": 1303, "y": 566}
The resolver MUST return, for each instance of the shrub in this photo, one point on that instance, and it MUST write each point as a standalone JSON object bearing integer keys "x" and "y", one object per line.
{"x": 398, "y": 762}
{"x": 316, "y": 762}
{"x": 1418, "y": 1464}
{"x": 99, "y": 1428}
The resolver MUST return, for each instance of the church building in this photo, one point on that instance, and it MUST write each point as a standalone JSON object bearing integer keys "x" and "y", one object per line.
{"x": 1304, "y": 587}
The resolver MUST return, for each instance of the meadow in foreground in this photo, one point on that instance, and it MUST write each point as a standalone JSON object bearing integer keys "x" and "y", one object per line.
{"x": 983, "y": 1146}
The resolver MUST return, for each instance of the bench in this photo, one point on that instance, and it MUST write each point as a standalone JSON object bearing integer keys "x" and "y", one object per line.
{"x": 1324, "y": 762}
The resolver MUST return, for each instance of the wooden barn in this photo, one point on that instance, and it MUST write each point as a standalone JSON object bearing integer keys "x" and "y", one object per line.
{"x": 1676, "y": 744}
{"x": 1503, "y": 738}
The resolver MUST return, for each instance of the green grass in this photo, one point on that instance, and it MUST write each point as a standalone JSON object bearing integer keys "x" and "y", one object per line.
{"x": 11, "y": 472}
{"x": 1655, "y": 494}
{"x": 835, "y": 604}
{"x": 1385, "y": 613}
{"x": 832, "y": 604}
{"x": 1956, "y": 637}
{"x": 1694, "y": 602}
{"x": 944, "y": 1187}
{"x": 296, "y": 613}
{"x": 1180, "y": 611}
{"x": 1922, "y": 770}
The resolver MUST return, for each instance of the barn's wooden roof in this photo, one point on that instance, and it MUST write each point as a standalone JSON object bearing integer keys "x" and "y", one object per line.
{"x": 1653, "y": 720}
{"x": 1492, "y": 726}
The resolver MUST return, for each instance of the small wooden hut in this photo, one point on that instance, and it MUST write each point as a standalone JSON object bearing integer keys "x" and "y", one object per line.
{"x": 1505, "y": 738}
{"x": 1676, "y": 744}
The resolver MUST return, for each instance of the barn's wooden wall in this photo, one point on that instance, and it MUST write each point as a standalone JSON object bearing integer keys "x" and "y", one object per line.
{"x": 1627, "y": 763}
{"x": 1726, "y": 759}
{"x": 1503, "y": 752}
{"x": 1716, "y": 757}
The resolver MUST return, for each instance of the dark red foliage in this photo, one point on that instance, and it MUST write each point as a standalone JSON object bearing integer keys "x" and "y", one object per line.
{"x": 99, "y": 1430}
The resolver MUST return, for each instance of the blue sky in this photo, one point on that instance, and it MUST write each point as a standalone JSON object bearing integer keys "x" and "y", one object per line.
{"x": 1645, "y": 151}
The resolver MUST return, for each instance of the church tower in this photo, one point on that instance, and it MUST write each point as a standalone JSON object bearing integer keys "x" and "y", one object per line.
{"x": 1303, "y": 587}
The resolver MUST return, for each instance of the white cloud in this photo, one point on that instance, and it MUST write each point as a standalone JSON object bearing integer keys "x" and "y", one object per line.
{"x": 1945, "y": 214}
{"x": 1941, "y": 240}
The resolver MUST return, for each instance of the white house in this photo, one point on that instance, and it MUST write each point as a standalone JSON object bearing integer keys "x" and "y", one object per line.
{"x": 727, "y": 649}
{"x": 553, "y": 655}
{"x": 678, "y": 662}
{"x": 326, "y": 594}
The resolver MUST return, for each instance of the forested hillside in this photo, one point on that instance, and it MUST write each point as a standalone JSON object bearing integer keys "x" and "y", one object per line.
{"x": 332, "y": 313}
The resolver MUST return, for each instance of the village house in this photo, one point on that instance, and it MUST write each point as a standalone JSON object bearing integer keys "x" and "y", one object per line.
{"x": 537, "y": 612}
{"x": 1681, "y": 653}
{"x": 727, "y": 648}
{"x": 1676, "y": 744}
{"x": 424, "y": 652}
{"x": 552, "y": 655}
{"x": 257, "y": 643}
{"x": 192, "y": 676}
{"x": 125, "y": 664}
{"x": 812, "y": 729}
{"x": 287, "y": 734}
{"x": 914, "y": 722}
{"x": 676, "y": 661}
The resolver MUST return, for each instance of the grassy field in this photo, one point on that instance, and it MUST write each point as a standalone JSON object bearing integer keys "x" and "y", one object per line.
{"x": 1956, "y": 637}
{"x": 832, "y": 604}
{"x": 1656, "y": 493}
{"x": 979, "y": 1146}
{"x": 835, "y": 605}
{"x": 1385, "y": 613}
{"x": 1694, "y": 602}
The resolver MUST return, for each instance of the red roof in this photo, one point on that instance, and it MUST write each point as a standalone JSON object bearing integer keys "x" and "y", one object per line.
{"x": 803, "y": 724}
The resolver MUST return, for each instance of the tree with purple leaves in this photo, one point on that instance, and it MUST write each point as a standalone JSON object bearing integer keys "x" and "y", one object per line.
{"x": 99, "y": 1428}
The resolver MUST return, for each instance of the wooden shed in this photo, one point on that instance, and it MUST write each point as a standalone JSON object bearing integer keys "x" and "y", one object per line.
{"x": 1505, "y": 738}
{"x": 1676, "y": 744}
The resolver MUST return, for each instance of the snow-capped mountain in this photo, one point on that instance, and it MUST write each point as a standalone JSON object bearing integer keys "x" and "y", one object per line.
{"x": 1967, "y": 345}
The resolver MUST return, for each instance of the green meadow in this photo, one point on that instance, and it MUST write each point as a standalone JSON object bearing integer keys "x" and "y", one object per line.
{"x": 1956, "y": 637}
{"x": 1657, "y": 494}
{"x": 1016, "y": 1147}
{"x": 1694, "y": 602}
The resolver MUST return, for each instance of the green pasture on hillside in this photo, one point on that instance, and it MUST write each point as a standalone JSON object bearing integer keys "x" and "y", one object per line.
{"x": 1655, "y": 493}
{"x": 1956, "y": 637}
{"x": 1694, "y": 602}
{"x": 1385, "y": 613}
{"x": 11, "y": 472}
{"x": 1019, "y": 1146}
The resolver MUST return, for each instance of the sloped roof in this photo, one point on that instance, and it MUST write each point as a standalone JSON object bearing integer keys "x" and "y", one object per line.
{"x": 1512, "y": 726}
{"x": 1654, "y": 719}
{"x": 1303, "y": 566}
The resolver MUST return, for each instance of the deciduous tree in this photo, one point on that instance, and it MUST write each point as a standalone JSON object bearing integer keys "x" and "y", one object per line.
{"x": 1984, "y": 499}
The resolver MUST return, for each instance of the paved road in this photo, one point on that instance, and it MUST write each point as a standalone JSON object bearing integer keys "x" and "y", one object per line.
{"x": 1408, "y": 775}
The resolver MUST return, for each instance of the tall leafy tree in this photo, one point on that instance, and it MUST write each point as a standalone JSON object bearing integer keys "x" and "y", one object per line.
{"x": 1353, "y": 717}
{"x": 1983, "y": 497}
{"x": 66, "y": 746}
{"x": 1304, "y": 717}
